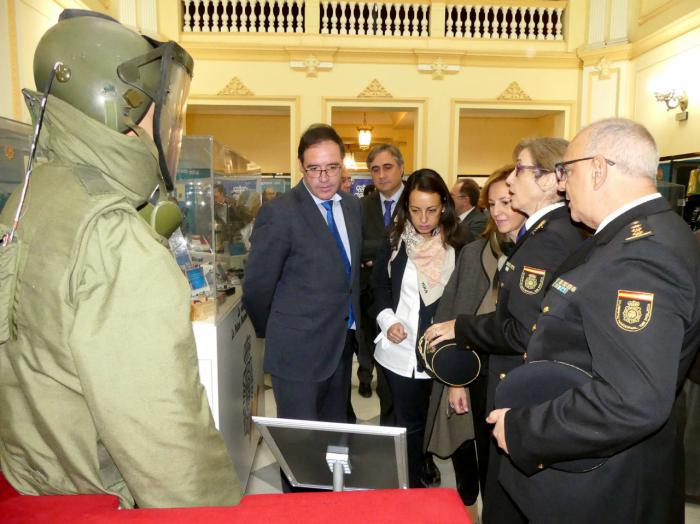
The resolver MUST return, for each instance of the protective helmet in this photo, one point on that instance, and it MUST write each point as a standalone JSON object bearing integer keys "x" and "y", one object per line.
{"x": 113, "y": 74}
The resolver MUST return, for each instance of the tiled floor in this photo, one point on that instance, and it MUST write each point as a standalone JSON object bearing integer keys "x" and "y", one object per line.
{"x": 265, "y": 477}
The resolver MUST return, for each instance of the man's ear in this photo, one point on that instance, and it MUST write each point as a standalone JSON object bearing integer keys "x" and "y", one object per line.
{"x": 600, "y": 171}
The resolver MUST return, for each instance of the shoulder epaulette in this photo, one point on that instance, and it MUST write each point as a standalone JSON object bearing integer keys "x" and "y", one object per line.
{"x": 638, "y": 229}
{"x": 540, "y": 226}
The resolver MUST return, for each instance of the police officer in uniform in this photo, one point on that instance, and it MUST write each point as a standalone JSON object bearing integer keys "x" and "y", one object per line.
{"x": 625, "y": 309}
{"x": 99, "y": 383}
{"x": 548, "y": 238}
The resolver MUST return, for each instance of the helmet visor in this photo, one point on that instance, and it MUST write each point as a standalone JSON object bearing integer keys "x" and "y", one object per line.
{"x": 169, "y": 119}
{"x": 169, "y": 95}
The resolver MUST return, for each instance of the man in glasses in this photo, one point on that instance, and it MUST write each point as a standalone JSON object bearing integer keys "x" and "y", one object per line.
{"x": 301, "y": 285}
{"x": 625, "y": 309}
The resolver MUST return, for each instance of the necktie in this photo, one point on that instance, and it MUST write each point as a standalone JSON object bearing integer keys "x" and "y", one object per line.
{"x": 328, "y": 204}
{"x": 521, "y": 232}
{"x": 387, "y": 212}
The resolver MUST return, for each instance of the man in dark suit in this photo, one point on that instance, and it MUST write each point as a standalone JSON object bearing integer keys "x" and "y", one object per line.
{"x": 302, "y": 281}
{"x": 385, "y": 164}
{"x": 625, "y": 308}
{"x": 465, "y": 194}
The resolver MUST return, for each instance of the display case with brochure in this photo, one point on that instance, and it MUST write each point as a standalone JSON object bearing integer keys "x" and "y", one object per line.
{"x": 219, "y": 194}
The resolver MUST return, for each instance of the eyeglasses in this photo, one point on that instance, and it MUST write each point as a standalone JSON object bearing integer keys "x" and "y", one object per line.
{"x": 519, "y": 168}
{"x": 331, "y": 171}
{"x": 562, "y": 171}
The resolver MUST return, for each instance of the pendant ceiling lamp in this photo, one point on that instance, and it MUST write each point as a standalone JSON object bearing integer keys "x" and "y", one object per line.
{"x": 364, "y": 133}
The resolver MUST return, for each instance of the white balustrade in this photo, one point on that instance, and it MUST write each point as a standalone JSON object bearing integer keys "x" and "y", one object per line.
{"x": 243, "y": 16}
{"x": 504, "y": 22}
{"x": 349, "y": 17}
{"x": 358, "y": 18}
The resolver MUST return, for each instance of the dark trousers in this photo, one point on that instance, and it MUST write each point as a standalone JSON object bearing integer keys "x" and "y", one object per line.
{"x": 325, "y": 400}
{"x": 411, "y": 397}
{"x": 365, "y": 348}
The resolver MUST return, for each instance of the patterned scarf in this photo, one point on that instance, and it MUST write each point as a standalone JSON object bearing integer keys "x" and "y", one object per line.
{"x": 434, "y": 261}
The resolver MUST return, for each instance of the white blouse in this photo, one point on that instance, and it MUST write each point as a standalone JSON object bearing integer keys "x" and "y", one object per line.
{"x": 401, "y": 358}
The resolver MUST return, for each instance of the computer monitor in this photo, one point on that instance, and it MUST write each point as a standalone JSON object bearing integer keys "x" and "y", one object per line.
{"x": 342, "y": 457}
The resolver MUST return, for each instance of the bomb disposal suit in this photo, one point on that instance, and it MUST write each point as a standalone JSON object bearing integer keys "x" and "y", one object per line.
{"x": 99, "y": 381}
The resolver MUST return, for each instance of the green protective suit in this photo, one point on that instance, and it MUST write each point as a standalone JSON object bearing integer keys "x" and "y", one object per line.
{"x": 99, "y": 386}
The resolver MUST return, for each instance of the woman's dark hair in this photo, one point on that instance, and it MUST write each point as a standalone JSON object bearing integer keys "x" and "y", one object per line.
{"x": 428, "y": 181}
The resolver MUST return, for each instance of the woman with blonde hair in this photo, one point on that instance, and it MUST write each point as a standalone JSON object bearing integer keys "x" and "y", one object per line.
{"x": 546, "y": 239}
{"x": 472, "y": 289}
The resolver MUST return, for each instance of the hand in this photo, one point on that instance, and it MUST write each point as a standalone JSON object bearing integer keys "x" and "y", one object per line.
{"x": 439, "y": 332}
{"x": 458, "y": 400}
{"x": 498, "y": 417}
{"x": 396, "y": 333}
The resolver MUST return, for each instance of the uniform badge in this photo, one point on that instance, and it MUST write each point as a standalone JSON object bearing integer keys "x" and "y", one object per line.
{"x": 563, "y": 286}
{"x": 633, "y": 309}
{"x": 531, "y": 280}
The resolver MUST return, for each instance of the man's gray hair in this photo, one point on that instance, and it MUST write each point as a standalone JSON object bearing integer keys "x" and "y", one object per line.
{"x": 393, "y": 151}
{"x": 625, "y": 142}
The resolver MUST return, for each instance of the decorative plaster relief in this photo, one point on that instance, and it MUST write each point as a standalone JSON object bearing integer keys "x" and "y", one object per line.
{"x": 603, "y": 68}
{"x": 375, "y": 90}
{"x": 236, "y": 88}
{"x": 514, "y": 92}
{"x": 438, "y": 68}
{"x": 311, "y": 64}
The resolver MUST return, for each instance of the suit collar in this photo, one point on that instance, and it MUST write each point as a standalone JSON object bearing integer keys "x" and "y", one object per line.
{"x": 317, "y": 225}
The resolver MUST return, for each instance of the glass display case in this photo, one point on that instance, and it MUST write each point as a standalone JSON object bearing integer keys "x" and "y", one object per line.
{"x": 15, "y": 142}
{"x": 219, "y": 194}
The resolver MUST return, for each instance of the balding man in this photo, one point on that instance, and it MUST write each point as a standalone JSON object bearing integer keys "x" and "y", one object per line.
{"x": 625, "y": 309}
{"x": 465, "y": 193}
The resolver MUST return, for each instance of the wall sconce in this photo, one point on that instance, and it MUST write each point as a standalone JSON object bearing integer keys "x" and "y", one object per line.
{"x": 364, "y": 133}
{"x": 675, "y": 100}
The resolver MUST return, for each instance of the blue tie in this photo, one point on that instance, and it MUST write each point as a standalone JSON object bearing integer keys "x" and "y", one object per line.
{"x": 387, "y": 212}
{"x": 521, "y": 232}
{"x": 328, "y": 204}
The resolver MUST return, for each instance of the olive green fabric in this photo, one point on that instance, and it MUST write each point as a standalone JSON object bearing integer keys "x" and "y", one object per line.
{"x": 99, "y": 389}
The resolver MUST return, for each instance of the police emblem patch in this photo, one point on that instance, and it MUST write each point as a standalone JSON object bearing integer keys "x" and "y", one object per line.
{"x": 633, "y": 309}
{"x": 531, "y": 280}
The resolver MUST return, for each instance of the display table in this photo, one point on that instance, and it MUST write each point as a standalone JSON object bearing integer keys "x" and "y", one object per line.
{"x": 429, "y": 506}
{"x": 230, "y": 368}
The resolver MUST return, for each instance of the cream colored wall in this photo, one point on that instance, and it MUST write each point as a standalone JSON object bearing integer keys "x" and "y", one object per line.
{"x": 649, "y": 16}
{"x": 672, "y": 65}
{"x": 22, "y": 24}
{"x": 263, "y": 139}
{"x": 480, "y": 153}
{"x": 403, "y": 82}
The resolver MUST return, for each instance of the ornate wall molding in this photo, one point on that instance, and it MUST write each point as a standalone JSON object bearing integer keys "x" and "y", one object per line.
{"x": 438, "y": 68}
{"x": 375, "y": 90}
{"x": 312, "y": 65}
{"x": 514, "y": 92}
{"x": 603, "y": 68}
{"x": 236, "y": 88}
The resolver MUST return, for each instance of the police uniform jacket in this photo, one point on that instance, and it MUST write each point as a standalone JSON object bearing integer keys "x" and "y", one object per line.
{"x": 99, "y": 382}
{"x": 627, "y": 311}
{"x": 522, "y": 280}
